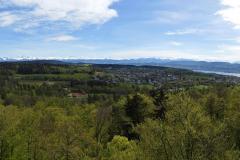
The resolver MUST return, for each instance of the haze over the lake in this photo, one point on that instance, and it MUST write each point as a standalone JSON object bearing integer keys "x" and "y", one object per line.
{"x": 189, "y": 29}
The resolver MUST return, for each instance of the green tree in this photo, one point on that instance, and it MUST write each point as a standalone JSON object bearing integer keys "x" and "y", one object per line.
{"x": 120, "y": 148}
{"x": 186, "y": 134}
{"x": 214, "y": 106}
{"x": 232, "y": 118}
{"x": 139, "y": 107}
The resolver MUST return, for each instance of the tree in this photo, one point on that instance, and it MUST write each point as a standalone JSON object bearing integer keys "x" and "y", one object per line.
{"x": 139, "y": 107}
{"x": 119, "y": 119}
{"x": 160, "y": 99}
{"x": 214, "y": 106}
{"x": 186, "y": 134}
{"x": 103, "y": 121}
{"x": 120, "y": 148}
{"x": 232, "y": 118}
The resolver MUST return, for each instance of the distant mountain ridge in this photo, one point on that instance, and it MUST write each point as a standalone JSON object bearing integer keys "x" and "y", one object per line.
{"x": 183, "y": 64}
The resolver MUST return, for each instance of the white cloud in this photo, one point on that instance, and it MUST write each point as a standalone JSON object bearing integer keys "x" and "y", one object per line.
{"x": 237, "y": 39}
{"x": 169, "y": 17}
{"x": 62, "y": 38}
{"x": 175, "y": 43}
{"x": 228, "y": 53}
{"x": 231, "y": 13}
{"x": 183, "y": 32}
{"x": 75, "y": 12}
{"x": 7, "y": 19}
{"x": 230, "y": 48}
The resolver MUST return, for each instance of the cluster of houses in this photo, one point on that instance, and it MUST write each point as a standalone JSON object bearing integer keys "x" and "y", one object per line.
{"x": 152, "y": 76}
{"x": 137, "y": 76}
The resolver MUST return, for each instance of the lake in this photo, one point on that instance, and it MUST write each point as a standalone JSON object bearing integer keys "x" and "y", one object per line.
{"x": 220, "y": 73}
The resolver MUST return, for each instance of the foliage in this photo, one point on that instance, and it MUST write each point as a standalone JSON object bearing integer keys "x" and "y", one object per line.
{"x": 120, "y": 148}
{"x": 72, "y": 112}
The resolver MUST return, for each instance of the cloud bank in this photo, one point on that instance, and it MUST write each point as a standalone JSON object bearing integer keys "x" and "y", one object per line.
{"x": 76, "y": 13}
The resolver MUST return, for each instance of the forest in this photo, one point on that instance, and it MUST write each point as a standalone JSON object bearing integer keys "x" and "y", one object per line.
{"x": 59, "y": 111}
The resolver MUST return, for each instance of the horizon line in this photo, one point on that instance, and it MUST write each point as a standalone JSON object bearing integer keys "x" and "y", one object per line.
{"x": 114, "y": 59}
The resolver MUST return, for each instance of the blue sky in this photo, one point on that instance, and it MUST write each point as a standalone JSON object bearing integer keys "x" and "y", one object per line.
{"x": 189, "y": 29}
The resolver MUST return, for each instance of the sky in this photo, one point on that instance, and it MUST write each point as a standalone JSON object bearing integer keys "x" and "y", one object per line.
{"x": 121, "y": 29}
